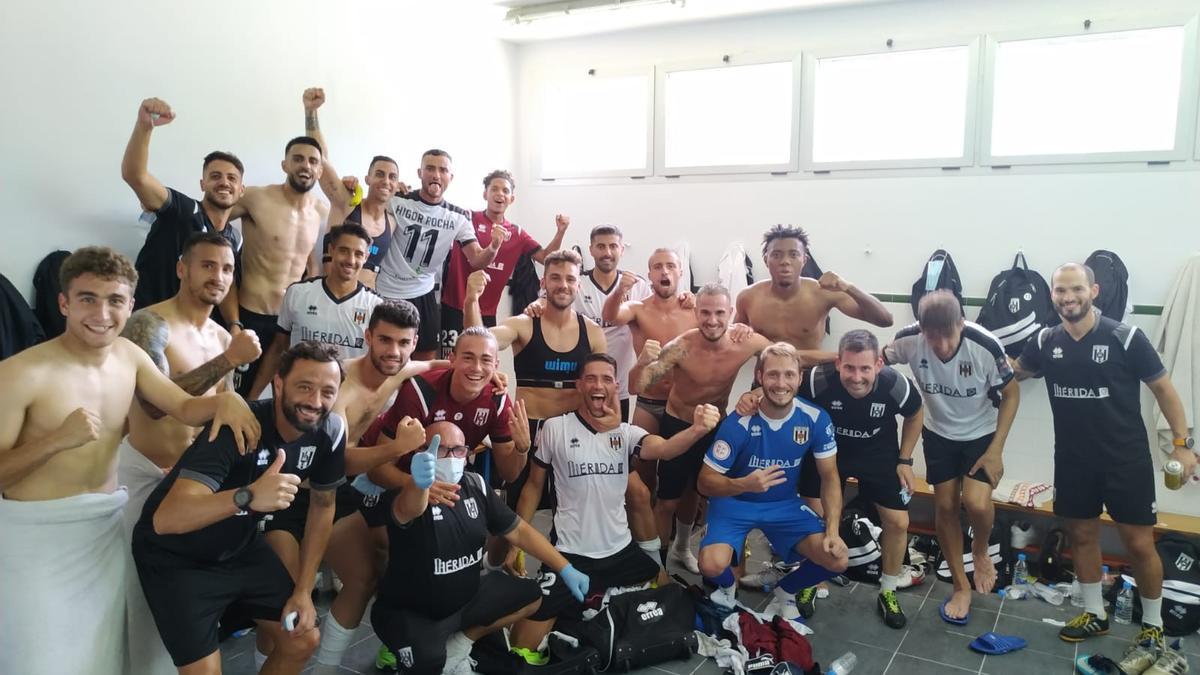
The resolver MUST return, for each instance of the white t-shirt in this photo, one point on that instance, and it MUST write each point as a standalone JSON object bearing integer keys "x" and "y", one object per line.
{"x": 310, "y": 312}
{"x": 589, "y": 302}
{"x": 591, "y": 473}
{"x": 422, "y": 240}
{"x": 961, "y": 395}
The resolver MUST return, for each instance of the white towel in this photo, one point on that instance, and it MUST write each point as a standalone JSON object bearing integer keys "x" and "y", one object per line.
{"x": 62, "y": 584}
{"x": 147, "y": 655}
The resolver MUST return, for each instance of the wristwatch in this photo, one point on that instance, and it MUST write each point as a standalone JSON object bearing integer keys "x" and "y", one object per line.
{"x": 242, "y": 498}
{"x": 1185, "y": 442}
{"x": 905, "y": 461}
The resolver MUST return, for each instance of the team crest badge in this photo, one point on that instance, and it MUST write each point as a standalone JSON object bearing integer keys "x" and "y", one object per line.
{"x": 405, "y": 657}
{"x": 1014, "y": 305}
{"x": 481, "y": 416}
{"x": 360, "y": 316}
{"x": 472, "y": 507}
{"x": 1099, "y": 353}
{"x": 721, "y": 450}
{"x": 800, "y": 435}
{"x": 615, "y": 441}
{"x": 306, "y": 456}
{"x": 877, "y": 409}
{"x": 370, "y": 500}
{"x": 965, "y": 369}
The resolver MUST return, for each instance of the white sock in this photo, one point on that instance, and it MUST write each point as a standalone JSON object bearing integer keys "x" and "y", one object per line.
{"x": 335, "y": 640}
{"x": 458, "y": 647}
{"x": 888, "y": 582}
{"x": 683, "y": 535}
{"x": 1152, "y": 612}
{"x": 1093, "y": 599}
{"x": 259, "y": 659}
{"x": 650, "y": 547}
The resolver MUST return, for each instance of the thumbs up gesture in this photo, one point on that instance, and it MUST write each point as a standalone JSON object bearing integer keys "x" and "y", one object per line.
{"x": 274, "y": 490}
{"x": 424, "y": 464}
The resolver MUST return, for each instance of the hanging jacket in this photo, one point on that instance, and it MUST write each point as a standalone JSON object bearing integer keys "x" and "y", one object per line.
{"x": 45, "y": 294}
{"x": 524, "y": 284}
{"x": 687, "y": 279}
{"x": 19, "y": 328}
{"x": 735, "y": 271}
{"x": 1177, "y": 340}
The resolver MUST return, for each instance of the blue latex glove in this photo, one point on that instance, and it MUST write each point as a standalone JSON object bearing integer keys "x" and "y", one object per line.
{"x": 577, "y": 582}
{"x": 424, "y": 464}
{"x": 365, "y": 486}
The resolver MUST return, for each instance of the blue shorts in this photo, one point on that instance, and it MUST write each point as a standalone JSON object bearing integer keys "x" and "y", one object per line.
{"x": 785, "y": 523}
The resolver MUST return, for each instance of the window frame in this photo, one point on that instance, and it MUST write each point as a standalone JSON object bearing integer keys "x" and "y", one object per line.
{"x": 1185, "y": 127}
{"x": 660, "y": 113}
{"x": 971, "y": 110}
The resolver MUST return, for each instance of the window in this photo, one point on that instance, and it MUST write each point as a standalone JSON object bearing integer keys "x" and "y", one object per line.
{"x": 596, "y": 126}
{"x": 895, "y": 109}
{"x": 728, "y": 118}
{"x": 1113, "y": 95}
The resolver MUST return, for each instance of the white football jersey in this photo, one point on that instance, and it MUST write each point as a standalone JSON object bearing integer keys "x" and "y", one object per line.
{"x": 589, "y": 302}
{"x": 422, "y": 240}
{"x": 310, "y": 312}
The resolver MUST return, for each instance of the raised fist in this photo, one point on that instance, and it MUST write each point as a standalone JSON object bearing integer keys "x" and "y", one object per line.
{"x": 81, "y": 427}
{"x": 499, "y": 234}
{"x": 562, "y": 222}
{"x": 650, "y": 351}
{"x": 627, "y": 281}
{"x": 243, "y": 348}
{"x": 830, "y": 281}
{"x": 313, "y": 98}
{"x": 476, "y": 282}
{"x": 409, "y": 435}
{"x": 706, "y": 417}
{"x": 155, "y": 112}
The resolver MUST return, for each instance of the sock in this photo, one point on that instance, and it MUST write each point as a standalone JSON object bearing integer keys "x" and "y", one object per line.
{"x": 458, "y": 647}
{"x": 1093, "y": 599}
{"x": 888, "y": 582}
{"x": 662, "y": 555}
{"x": 683, "y": 535}
{"x": 1152, "y": 612}
{"x": 651, "y": 548}
{"x": 724, "y": 579}
{"x": 808, "y": 574}
{"x": 259, "y": 659}
{"x": 335, "y": 640}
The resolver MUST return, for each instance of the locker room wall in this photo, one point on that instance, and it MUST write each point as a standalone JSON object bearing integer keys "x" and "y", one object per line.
{"x": 877, "y": 228}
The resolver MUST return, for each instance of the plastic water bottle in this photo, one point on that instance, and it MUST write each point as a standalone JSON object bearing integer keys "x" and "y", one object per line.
{"x": 1124, "y": 605}
{"x": 843, "y": 664}
{"x": 1076, "y": 594}
{"x": 1048, "y": 593}
{"x": 1015, "y": 592}
{"x": 1020, "y": 571}
{"x": 1106, "y": 580}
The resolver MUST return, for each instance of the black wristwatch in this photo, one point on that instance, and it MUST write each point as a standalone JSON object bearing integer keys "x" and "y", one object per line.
{"x": 238, "y": 324}
{"x": 242, "y": 498}
{"x": 905, "y": 462}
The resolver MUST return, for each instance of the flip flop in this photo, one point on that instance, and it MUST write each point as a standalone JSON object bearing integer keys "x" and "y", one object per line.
{"x": 994, "y": 643}
{"x": 1096, "y": 664}
{"x": 949, "y": 619}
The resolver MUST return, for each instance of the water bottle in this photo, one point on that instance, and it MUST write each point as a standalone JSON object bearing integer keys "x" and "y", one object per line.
{"x": 843, "y": 664}
{"x": 1048, "y": 593}
{"x": 1076, "y": 594}
{"x": 1124, "y": 606}
{"x": 1106, "y": 580}
{"x": 1020, "y": 571}
{"x": 1015, "y": 592}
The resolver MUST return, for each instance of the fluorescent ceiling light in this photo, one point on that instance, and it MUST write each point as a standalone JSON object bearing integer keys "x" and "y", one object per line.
{"x": 526, "y": 14}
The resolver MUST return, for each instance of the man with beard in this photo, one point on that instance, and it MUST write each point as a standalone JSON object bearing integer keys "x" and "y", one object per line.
{"x": 383, "y": 181}
{"x": 63, "y": 412}
{"x": 188, "y": 346}
{"x": 750, "y": 474}
{"x": 588, "y": 452}
{"x": 176, "y": 217}
{"x": 1093, "y": 366}
{"x": 197, "y": 547}
{"x": 971, "y": 399}
{"x": 280, "y": 224}
{"x": 426, "y": 228}
{"x": 703, "y": 362}
{"x": 792, "y": 309}
{"x": 499, "y": 193}
{"x": 328, "y": 309}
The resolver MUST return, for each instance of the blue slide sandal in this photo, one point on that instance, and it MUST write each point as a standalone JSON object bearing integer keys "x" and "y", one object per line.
{"x": 994, "y": 643}
{"x": 949, "y": 619}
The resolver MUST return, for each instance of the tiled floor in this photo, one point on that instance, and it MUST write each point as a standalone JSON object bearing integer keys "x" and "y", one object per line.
{"x": 847, "y": 621}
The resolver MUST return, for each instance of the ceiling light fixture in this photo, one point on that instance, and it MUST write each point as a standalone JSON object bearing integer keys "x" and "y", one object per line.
{"x": 520, "y": 15}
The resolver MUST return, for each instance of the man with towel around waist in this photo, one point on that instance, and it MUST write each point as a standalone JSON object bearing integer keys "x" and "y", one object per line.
{"x": 62, "y": 555}
{"x": 199, "y": 356}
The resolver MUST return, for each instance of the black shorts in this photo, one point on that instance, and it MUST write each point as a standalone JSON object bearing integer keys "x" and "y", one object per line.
{"x": 377, "y": 509}
{"x": 293, "y": 519}
{"x": 946, "y": 459}
{"x": 627, "y": 567}
{"x": 877, "y": 479}
{"x": 624, "y": 403}
{"x": 264, "y": 326}
{"x": 187, "y": 598}
{"x": 419, "y": 642}
{"x": 676, "y": 475}
{"x": 430, "y": 311}
{"x": 513, "y": 489}
{"x": 1084, "y": 486}
{"x": 452, "y": 327}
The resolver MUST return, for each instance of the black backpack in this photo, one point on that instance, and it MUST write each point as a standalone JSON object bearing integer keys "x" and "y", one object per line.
{"x": 1051, "y": 564}
{"x": 1181, "y": 586}
{"x": 640, "y": 628}
{"x": 862, "y": 539}
{"x": 492, "y": 657}
{"x": 1017, "y": 306}
{"x": 1113, "y": 278}
{"x": 45, "y": 294}
{"x": 939, "y": 272}
{"x": 999, "y": 550}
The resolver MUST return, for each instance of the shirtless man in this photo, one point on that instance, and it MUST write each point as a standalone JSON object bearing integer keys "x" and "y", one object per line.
{"x": 198, "y": 355}
{"x": 790, "y": 308}
{"x": 704, "y": 363}
{"x": 62, "y": 555}
{"x": 383, "y": 181}
{"x": 280, "y": 224}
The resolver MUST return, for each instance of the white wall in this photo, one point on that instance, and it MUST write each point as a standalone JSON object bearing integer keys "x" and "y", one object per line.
{"x": 399, "y": 77}
{"x": 877, "y": 229}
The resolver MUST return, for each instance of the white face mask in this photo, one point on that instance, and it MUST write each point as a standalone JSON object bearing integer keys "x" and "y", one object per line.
{"x": 450, "y": 469}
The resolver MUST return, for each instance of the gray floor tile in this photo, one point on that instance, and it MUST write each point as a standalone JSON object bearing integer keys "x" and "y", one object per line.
{"x": 910, "y": 665}
{"x": 1042, "y": 638}
{"x": 933, "y": 639}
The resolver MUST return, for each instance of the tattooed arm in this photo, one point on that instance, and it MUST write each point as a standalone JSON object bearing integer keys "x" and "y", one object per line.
{"x": 652, "y": 373}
